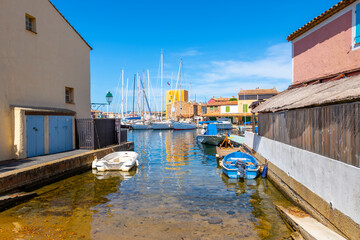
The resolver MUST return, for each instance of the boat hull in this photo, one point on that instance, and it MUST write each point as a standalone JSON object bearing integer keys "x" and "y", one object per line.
{"x": 184, "y": 126}
{"x": 141, "y": 127}
{"x": 117, "y": 161}
{"x": 162, "y": 126}
{"x": 214, "y": 140}
{"x": 230, "y": 169}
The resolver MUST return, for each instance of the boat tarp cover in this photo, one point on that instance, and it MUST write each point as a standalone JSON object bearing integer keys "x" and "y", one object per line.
{"x": 211, "y": 129}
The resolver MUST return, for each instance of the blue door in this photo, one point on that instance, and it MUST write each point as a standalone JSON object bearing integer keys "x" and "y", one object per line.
{"x": 35, "y": 139}
{"x": 60, "y": 134}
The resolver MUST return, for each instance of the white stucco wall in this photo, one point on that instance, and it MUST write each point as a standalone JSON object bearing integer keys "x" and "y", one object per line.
{"x": 333, "y": 181}
{"x": 36, "y": 67}
{"x": 233, "y": 109}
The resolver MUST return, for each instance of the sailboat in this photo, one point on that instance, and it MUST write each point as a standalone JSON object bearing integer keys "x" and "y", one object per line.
{"x": 142, "y": 125}
{"x": 183, "y": 124}
{"x": 162, "y": 124}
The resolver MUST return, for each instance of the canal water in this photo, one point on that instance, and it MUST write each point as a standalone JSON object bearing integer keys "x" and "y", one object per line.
{"x": 177, "y": 192}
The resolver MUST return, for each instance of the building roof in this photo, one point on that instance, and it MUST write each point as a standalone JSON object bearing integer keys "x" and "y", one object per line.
{"x": 70, "y": 25}
{"x": 258, "y": 91}
{"x": 332, "y": 92}
{"x": 223, "y": 103}
{"x": 321, "y": 18}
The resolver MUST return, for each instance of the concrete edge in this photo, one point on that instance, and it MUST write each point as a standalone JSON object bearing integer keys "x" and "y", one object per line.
{"x": 308, "y": 227}
{"x": 304, "y": 197}
{"x": 45, "y": 173}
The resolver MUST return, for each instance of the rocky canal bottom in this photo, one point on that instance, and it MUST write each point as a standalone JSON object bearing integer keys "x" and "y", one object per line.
{"x": 178, "y": 192}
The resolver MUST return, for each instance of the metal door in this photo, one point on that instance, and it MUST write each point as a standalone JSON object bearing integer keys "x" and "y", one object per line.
{"x": 35, "y": 139}
{"x": 60, "y": 134}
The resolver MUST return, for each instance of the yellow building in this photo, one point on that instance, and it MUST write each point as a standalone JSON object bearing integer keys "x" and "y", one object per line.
{"x": 247, "y": 97}
{"x": 174, "y": 96}
{"x": 44, "y": 80}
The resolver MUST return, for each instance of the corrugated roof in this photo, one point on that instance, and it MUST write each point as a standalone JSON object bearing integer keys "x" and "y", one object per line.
{"x": 70, "y": 25}
{"x": 339, "y": 91}
{"x": 319, "y": 19}
{"x": 259, "y": 91}
{"x": 223, "y": 103}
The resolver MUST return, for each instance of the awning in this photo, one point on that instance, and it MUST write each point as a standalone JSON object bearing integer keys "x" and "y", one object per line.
{"x": 334, "y": 92}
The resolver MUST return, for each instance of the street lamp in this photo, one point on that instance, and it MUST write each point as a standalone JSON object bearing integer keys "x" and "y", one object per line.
{"x": 109, "y": 98}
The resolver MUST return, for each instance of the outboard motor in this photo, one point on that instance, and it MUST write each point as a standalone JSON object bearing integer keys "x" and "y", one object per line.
{"x": 241, "y": 172}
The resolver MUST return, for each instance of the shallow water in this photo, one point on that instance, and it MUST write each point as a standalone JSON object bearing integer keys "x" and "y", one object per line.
{"x": 178, "y": 192}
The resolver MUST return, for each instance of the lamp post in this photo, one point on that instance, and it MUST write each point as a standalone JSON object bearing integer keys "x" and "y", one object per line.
{"x": 109, "y": 98}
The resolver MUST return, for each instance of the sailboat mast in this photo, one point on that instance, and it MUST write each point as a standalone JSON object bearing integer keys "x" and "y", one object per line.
{"x": 122, "y": 93}
{"x": 180, "y": 87}
{"x": 148, "y": 97}
{"x": 143, "y": 113}
{"x": 161, "y": 79}
{"x": 127, "y": 91}
{"x": 171, "y": 91}
{"x": 133, "y": 110}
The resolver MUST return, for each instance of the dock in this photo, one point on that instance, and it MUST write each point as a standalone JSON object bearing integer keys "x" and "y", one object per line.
{"x": 237, "y": 139}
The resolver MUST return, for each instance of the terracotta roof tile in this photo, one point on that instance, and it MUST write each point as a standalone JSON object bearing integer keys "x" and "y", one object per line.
{"x": 223, "y": 103}
{"x": 319, "y": 19}
{"x": 259, "y": 91}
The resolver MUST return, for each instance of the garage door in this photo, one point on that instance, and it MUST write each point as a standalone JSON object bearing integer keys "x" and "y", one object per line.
{"x": 60, "y": 134}
{"x": 35, "y": 139}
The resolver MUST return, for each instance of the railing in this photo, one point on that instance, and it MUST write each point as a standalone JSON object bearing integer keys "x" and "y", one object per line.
{"x": 99, "y": 133}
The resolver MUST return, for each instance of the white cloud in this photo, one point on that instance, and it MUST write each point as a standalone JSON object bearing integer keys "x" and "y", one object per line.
{"x": 189, "y": 53}
{"x": 228, "y": 76}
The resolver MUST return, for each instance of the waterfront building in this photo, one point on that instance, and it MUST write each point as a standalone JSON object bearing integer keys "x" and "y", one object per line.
{"x": 310, "y": 133}
{"x": 182, "y": 110}
{"x": 173, "y": 96}
{"x": 45, "y": 79}
{"x": 247, "y": 97}
{"x": 222, "y": 109}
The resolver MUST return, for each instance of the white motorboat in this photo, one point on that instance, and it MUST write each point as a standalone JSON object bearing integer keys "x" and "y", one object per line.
{"x": 224, "y": 124}
{"x": 163, "y": 125}
{"x": 184, "y": 125}
{"x": 117, "y": 161}
{"x": 210, "y": 136}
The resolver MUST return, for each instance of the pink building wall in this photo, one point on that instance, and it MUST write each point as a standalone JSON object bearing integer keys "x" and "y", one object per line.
{"x": 326, "y": 51}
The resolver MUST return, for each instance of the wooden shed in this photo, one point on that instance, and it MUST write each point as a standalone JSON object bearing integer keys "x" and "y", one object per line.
{"x": 323, "y": 118}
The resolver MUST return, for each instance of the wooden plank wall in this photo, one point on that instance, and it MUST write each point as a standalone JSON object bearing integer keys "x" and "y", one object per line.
{"x": 332, "y": 131}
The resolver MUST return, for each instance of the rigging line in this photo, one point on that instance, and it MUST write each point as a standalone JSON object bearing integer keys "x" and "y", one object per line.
{"x": 116, "y": 93}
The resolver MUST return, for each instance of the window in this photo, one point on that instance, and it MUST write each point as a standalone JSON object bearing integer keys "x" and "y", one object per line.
{"x": 216, "y": 107}
{"x": 227, "y": 109}
{"x": 69, "y": 95}
{"x": 245, "y": 108}
{"x": 211, "y": 108}
{"x": 357, "y": 26}
{"x": 30, "y": 23}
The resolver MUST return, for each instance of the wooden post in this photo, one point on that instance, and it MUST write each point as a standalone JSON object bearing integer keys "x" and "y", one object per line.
{"x": 253, "y": 122}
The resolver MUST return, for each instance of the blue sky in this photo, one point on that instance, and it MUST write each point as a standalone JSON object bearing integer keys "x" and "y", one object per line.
{"x": 225, "y": 45}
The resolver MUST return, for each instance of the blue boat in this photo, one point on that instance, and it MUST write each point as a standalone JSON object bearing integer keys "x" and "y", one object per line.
{"x": 240, "y": 165}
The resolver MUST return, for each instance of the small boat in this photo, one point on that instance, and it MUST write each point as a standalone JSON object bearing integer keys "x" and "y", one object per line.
{"x": 163, "y": 125}
{"x": 116, "y": 161}
{"x": 184, "y": 125}
{"x": 226, "y": 148}
{"x": 210, "y": 136}
{"x": 224, "y": 124}
{"x": 240, "y": 165}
